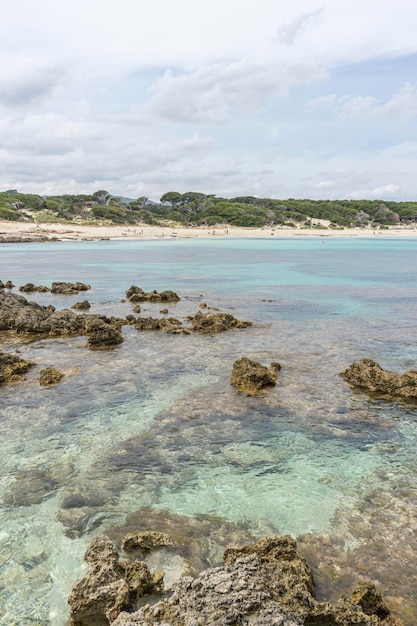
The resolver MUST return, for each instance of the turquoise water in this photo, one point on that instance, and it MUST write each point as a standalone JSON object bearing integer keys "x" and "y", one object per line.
{"x": 155, "y": 422}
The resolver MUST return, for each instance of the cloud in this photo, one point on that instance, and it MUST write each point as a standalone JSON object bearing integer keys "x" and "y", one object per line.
{"x": 375, "y": 194}
{"x": 24, "y": 81}
{"x": 289, "y": 32}
{"x": 210, "y": 94}
{"x": 402, "y": 105}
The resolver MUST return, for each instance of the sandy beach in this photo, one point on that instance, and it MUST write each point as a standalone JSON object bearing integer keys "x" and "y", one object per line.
{"x": 40, "y": 231}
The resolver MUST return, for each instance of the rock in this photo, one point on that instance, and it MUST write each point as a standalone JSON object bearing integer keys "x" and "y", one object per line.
{"x": 12, "y": 367}
{"x": 69, "y": 288}
{"x": 251, "y": 377}
{"x": 84, "y": 305}
{"x": 168, "y": 325}
{"x": 30, "y": 288}
{"x": 108, "y": 586}
{"x": 104, "y": 335}
{"x": 50, "y": 376}
{"x": 137, "y": 309}
{"x": 367, "y": 374}
{"x": 1, "y": 284}
{"x": 267, "y": 583}
{"x": 136, "y": 294}
{"x": 212, "y": 323}
{"x": 164, "y": 311}
{"x": 145, "y": 541}
{"x": 9, "y": 284}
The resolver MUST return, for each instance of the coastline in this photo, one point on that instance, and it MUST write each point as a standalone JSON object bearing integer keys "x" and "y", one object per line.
{"x": 26, "y": 232}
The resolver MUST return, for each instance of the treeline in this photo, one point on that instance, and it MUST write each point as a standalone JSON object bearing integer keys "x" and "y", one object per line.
{"x": 199, "y": 209}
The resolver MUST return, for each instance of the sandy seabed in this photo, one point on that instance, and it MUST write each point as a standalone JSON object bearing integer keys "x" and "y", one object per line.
{"x": 35, "y": 231}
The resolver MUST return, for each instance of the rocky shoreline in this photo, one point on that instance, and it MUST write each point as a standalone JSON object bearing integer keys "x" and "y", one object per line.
{"x": 251, "y": 588}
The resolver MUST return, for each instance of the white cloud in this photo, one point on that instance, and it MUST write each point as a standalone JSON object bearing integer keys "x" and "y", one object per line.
{"x": 209, "y": 94}
{"x": 289, "y": 32}
{"x": 378, "y": 193}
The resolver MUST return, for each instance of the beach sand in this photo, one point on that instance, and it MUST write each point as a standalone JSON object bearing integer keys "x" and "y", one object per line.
{"x": 29, "y": 230}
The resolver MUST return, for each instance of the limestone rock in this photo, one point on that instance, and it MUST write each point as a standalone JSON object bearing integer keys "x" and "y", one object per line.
{"x": 169, "y": 325}
{"x": 145, "y": 541}
{"x": 136, "y": 294}
{"x": 109, "y": 586}
{"x": 367, "y": 374}
{"x": 212, "y": 323}
{"x": 69, "y": 288}
{"x": 30, "y": 288}
{"x": 84, "y": 305}
{"x": 251, "y": 377}
{"x": 104, "y": 335}
{"x": 50, "y": 376}
{"x": 12, "y": 367}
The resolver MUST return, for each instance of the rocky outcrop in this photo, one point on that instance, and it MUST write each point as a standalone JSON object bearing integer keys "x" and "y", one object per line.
{"x": 103, "y": 335}
{"x": 84, "y": 305}
{"x": 7, "y": 285}
{"x": 145, "y": 541}
{"x": 50, "y": 376}
{"x": 267, "y": 583}
{"x": 367, "y": 374}
{"x": 109, "y": 585}
{"x": 251, "y": 377}
{"x": 23, "y": 316}
{"x": 136, "y": 294}
{"x": 212, "y": 323}
{"x": 69, "y": 288}
{"x": 169, "y": 325}
{"x": 12, "y": 368}
{"x": 30, "y": 288}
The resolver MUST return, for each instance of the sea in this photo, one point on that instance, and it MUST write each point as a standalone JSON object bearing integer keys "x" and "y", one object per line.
{"x": 152, "y": 429}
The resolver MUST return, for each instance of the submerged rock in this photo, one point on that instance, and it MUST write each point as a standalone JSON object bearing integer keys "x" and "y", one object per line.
{"x": 12, "y": 367}
{"x": 251, "y": 377}
{"x": 136, "y": 294}
{"x": 367, "y": 374}
{"x": 50, "y": 376}
{"x": 145, "y": 541}
{"x": 212, "y": 323}
{"x": 267, "y": 583}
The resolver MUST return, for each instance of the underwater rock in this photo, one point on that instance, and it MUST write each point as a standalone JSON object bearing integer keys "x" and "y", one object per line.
{"x": 109, "y": 586}
{"x": 69, "y": 288}
{"x": 251, "y": 377}
{"x": 212, "y": 323}
{"x": 50, "y": 376}
{"x": 30, "y": 288}
{"x": 136, "y": 294}
{"x": 12, "y": 367}
{"x": 367, "y": 374}
{"x": 81, "y": 306}
{"x": 145, "y": 541}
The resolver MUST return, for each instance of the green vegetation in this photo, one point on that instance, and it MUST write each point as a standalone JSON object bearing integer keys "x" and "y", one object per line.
{"x": 199, "y": 209}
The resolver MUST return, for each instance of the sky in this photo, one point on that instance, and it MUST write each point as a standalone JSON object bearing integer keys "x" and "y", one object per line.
{"x": 271, "y": 98}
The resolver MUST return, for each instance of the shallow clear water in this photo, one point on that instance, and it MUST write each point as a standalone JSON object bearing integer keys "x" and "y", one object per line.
{"x": 155, "y": 422}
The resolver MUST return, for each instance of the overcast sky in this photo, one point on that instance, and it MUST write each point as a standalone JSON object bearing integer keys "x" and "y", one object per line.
{"x": 276, "y": 98}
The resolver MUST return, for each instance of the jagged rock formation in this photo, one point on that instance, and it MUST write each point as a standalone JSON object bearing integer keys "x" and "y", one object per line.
{"x": 263, "y": 584}
{"x": 251, "y": 377}
{"x": 50, "y": 376}
{"x": 212, "y": 323}
{"x": 69, "y": 288}
{"x": 169, "y": 325}
{"x": 30, "y": 288}
{"x": 109, "y": 585}
{"x": 12, "y": 367}
{"x": 103, "y": 335}
{"x": 136, "y": 294}
{"x": 367, "y": 374}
